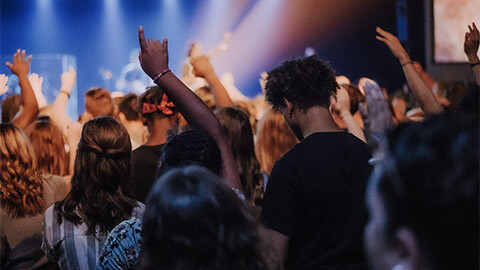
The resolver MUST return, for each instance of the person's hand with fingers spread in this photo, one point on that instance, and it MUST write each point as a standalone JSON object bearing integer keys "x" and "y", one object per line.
{"x": 20, "y": 67}
{"x": 394, "y": 45}
{"x": 423, "y": 94}
{"x": 470, "y": 46}
{"x": 3, "y": 84}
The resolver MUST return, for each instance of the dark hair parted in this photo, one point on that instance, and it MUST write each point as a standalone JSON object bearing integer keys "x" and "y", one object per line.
{"x": 100, "y": 194}
{"x": 305, "y": 83}
{"x": 429, "y": 183}
{"x": 128, "y": 106}
{"x": 236, "y": 127}
{"x": 200, "y": 224}
{"x": 191, "y": 147}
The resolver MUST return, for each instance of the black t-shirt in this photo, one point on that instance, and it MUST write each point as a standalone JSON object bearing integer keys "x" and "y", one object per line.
{"x": 145, "y": 161}
{"x": 316, "y": 197}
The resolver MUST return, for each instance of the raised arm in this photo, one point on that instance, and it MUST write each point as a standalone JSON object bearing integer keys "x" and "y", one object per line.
{"x": 341, "y": 105}
{"x": 422, "y": 93}
{"x": 154, "y": 61}
{"x": 20, "y": 67}
{"x": 203, "y": 68}
{"x": 470, "y": 46}
{"x": 58, "y": 115}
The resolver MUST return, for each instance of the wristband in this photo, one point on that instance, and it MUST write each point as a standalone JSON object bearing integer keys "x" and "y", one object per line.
{"x": 160, "y": 75}
{"x": 406, "y": 63}
{"x": 65, "y": 92}
{"x": 475, "y": 64}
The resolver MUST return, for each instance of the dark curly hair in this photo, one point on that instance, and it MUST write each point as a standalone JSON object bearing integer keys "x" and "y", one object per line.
{"x": 100, "y": 192}
{"x": 193, "y": 221}
{"x": 428, "y": 182}
{"x": 191, "y": 147}
{"x": 306, "y": 83}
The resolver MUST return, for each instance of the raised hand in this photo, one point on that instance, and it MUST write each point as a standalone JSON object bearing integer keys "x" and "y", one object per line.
{"x": 201, "y": 66}
{"x": 394, "y": 45}
{"x": 3, "y": 84}
{"x": 68, "y": 80}
{"x": 472, "y": 40}
{"x": 341, "y": 102}
{"x": 20, "y": 66}
{"x": 377, "y": 115}
{"x": 36, "y": 82}
{"x": 153, "y": 55}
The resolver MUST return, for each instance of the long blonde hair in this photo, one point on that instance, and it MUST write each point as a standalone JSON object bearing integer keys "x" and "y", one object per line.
{"x": 21, "y": 189}
{"x": 49, "y": 146}
{"x": 274, "y": 139}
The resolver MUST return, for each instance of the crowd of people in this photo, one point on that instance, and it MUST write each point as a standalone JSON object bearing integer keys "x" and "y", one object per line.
{"x": 322, "y": 173}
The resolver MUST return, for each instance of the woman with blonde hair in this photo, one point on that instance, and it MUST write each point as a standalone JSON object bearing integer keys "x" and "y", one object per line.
{"x": 274, "y": 139}
{"x": 49, "y": 146}
{"x": 24, "y": 195}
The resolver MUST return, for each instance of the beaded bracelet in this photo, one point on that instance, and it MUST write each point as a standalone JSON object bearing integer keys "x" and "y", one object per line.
{"x": 160, "y": 75}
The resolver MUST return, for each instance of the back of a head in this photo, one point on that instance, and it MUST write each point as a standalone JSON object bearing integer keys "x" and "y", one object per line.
{"x": 10, "y": 107}
{"x": 193, "y": 221}
{"x": 101, "y": 176}
{"x": 428, "y": 182}
{"x": 21, "y": 188}
{"x": 274, "y": 139}
{"x": 205, "y": 94}
{"x": 191, "y": 147}
{"x": 236, "y": 127}
{"x": 154, "y": 103}
{"x": 98, "y": 102}
{"x": 49, "y": 145}
{"x": 306, "y": 83}
{"x": 128, "y": 107}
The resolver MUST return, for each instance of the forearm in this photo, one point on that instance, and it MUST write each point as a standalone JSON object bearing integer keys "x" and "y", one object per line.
{"x": 58, "y": 115}
{"x": 422, "y": 93}
{"x": 29, "y": 102}
{"x": 220, "y": 94}
{"x": 352, "y": 125}
{"x": 198, "y": 115}
{"x": 473, "y": 59}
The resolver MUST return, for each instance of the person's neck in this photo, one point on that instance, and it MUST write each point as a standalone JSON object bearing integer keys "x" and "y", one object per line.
{"x": 157, "y": 131}
{"x": 135, "y": 129}
{"x": 316, "y": 119}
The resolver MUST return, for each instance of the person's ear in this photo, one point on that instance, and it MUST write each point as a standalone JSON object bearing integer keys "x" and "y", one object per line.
{"x": 289, "y": 106}
{"x": 407, "y": 249}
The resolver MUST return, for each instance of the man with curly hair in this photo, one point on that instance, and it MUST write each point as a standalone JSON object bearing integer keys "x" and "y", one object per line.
{"x": 314, "y": 208}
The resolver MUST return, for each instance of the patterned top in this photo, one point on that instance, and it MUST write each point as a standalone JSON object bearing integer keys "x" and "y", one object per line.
{"x": 122, "y": 247}
{"x": 69, "y": 246}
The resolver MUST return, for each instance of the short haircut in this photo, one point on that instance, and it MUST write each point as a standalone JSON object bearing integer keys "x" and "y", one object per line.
{"x": 128, "y": 106}
{"x": 98, "y": 102}
{"x": 305, "y": 83}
